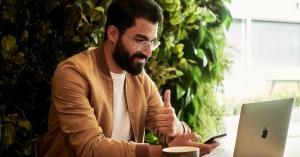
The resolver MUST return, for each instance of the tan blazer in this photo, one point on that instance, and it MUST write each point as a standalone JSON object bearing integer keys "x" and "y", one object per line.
{"x": 81, "y": 113}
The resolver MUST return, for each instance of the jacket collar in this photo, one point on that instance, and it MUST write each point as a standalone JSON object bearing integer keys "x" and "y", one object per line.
{"x": 101, "y": 60}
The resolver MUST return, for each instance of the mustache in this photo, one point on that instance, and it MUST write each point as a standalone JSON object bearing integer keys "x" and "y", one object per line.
{"x": 139, "y": 55}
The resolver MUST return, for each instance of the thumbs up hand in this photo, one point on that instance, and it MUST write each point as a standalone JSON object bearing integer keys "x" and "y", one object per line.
{"x": 164, "y": 119}
{"x": 167, "y": 98}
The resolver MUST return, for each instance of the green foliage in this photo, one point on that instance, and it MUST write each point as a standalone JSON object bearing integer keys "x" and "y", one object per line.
{"x": 286, "y": 89}
{"x": 36, "y": 34}
{"x": 16, "y": 133}
{"x": 191, "y": 61}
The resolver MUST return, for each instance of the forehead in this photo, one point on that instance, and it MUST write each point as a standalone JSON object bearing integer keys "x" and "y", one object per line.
{"x": 143, "y": 27}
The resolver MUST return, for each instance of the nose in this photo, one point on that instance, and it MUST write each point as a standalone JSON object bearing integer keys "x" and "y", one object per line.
{"x": 147, "y": 52}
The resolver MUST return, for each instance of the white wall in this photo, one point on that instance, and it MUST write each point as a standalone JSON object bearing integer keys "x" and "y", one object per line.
{"x": 278, "y": 10}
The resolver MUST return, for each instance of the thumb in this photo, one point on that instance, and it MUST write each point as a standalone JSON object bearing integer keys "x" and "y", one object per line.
{"x": 167, "y": 98}
{"x": 192, "y": 136}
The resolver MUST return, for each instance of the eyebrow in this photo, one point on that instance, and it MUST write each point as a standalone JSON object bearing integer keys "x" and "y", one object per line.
{"x": 144, "y": 37}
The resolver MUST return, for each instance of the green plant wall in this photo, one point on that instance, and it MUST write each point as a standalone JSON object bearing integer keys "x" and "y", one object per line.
{"x": 36, "y": 34}
{"x": 191, "y": 60}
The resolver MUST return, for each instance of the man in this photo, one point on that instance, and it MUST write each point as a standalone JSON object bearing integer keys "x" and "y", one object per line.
{"x": 102, "y": 99}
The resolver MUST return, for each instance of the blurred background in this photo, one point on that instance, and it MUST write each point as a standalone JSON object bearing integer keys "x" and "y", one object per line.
{"x": 214, "y": 56}
{"x": 264, "y": 45}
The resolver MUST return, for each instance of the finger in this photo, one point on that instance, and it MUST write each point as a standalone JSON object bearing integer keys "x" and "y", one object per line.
{"x": 195, "y": 137}
{"x": 163, "y": 124}
{"x": 161, "y": 117}
{"x": 167, "y": 130}
{"x": 163, "y": 130}
{"x": 206, "y": 148}
{"x": 192, "y": 136}
{"x": 167, "y": 98}
{"x": 162, "y": 110}
{"x": 158, "y": 117}
{"x": 214, "y": 145}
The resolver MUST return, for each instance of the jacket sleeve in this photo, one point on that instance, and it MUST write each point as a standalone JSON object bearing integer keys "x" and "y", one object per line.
{"x": 154, "y": 101}
{"x": 70, "y": 92}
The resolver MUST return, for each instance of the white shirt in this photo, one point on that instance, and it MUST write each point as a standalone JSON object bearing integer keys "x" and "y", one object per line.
{"x": 121, "y": 124}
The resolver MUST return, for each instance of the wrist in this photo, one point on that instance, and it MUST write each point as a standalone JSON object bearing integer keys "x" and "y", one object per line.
{"x": 180, "y": 128}
{"x": 155, "y": 151}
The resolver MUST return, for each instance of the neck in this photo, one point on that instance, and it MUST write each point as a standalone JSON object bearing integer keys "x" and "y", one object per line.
{"x": 112, "y": 65}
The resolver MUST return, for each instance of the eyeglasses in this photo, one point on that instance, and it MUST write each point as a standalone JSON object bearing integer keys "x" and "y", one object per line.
{"x": 143, "y": 45}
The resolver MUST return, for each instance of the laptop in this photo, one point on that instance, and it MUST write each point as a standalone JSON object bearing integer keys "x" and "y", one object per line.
{"x": 263, "y": 128}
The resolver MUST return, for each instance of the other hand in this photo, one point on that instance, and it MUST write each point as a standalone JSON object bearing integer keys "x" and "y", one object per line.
{"x": 191, "y": 140}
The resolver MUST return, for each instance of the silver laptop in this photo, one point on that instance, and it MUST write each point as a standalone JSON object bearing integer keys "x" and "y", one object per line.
{"x": 263, "y": 128}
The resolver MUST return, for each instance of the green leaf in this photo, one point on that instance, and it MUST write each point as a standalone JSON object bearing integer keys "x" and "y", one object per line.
{"x": 9, "y": 135}
{"x": 95, "y": 37}
{"x": 8, "y": 44}
{"x": 176, "y": 19}
{"x": 151, "y": 138}
{"x": 179, "y": 91}
{"x": 202, "y": 35}
{"x": 191, "y": 19}
{"x": 209, "y": 16}
{"x": 179, "y": 47}
{"x": 27, "y": 148}
{"x": 227, "y": 21}
{"x": 25, "y": 124}
{"x": 78, "y": 3}
{"x": 84, "y": 18}
{"x": 100, "y": 9}
{"x": 200, "y": 53}
{"x": 89, "y": 3}
{"x": 169, "y": 1}
{"x": 188, "y": 98}
{"x": 179, "y": 73}
{"x": 182, "y": 34}
{"x": 196, "y": 74}
{"x": 76, "y": 38}
{"x": 183, "y": 63}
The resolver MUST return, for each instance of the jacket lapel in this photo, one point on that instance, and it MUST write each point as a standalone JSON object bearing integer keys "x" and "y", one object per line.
{"x": 137, "y": 106}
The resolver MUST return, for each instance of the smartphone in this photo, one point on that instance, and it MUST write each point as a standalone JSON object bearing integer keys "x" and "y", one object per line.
{"x": 211, "y": 140}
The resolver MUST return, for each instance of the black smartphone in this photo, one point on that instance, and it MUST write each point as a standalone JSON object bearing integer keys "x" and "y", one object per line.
{"x": 211, "y": 140}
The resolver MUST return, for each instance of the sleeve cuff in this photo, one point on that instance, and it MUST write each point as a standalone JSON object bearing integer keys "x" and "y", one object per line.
{"x": 185, "y": 127}
{"x": 142, "y": 150}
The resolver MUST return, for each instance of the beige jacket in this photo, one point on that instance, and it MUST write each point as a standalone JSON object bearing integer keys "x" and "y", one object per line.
{"x": 81, "y": 113}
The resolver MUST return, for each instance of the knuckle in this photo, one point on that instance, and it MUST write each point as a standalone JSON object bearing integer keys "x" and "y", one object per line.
{"x": 171, "y": 110}
{"x": 172, "y": 119}
{"x": 171, "y": 129}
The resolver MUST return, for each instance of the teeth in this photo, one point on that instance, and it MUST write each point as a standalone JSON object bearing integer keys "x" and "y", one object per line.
{"x": 140, "y": 59}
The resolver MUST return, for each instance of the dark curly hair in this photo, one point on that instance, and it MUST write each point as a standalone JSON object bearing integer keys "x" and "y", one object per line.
{"x": 122, "y": 13}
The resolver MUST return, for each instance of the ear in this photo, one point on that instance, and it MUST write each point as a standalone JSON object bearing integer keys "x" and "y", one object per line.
{"x": 112, "y": 33}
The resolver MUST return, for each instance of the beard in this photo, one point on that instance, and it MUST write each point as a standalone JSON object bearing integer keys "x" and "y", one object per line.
{"x": 125, "y": 60}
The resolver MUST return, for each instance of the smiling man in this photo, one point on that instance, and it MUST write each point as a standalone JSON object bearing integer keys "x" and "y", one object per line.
{"x": 103, "y": 100}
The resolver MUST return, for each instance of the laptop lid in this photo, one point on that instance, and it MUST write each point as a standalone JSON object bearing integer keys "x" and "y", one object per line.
{"x": 263, "y": 128}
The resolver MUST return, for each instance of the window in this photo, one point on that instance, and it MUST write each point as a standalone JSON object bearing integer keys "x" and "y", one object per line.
{"x": 275, "y": 44}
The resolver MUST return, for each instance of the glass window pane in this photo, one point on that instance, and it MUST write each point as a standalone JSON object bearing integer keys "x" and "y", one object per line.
{"x": 275, "y": 44}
